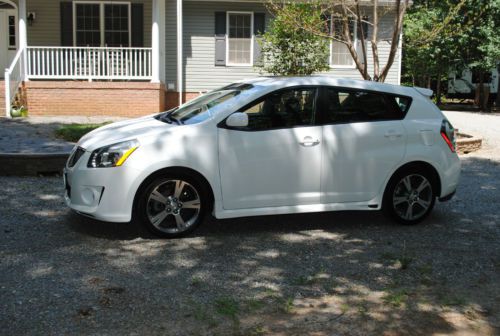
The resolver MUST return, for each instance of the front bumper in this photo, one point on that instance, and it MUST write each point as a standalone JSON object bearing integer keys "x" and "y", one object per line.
{"x": 102, "y": 193}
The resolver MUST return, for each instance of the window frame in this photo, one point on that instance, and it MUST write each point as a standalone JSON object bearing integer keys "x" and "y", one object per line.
{"x": 102, "y": 18}
{"x": 252, "y": 38}
{"x": 355, "y": 43}
{"x": 16, "y": 31}
{"x": 320, "y": 110}
{"x": 317, "y": 89}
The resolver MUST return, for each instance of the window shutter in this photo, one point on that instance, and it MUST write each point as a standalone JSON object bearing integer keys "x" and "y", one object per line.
{"x": 137, "y": 26}
{"x": 364, "y": 26}
{"x": 327, "y": 19}
{"x": 259, "y": 27}
{"x": 66, "y": 24}
{"x": 220, "y": 38}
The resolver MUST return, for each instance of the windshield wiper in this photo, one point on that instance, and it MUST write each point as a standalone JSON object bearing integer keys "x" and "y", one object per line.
{"x": 168, "y": 118}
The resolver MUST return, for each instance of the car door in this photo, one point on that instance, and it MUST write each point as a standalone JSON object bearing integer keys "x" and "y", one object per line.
{"x": 276, "y": 159}
{"x": 363, "y": 141}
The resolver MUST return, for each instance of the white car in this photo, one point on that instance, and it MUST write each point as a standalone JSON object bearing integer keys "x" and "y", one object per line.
{"x": 269, "y": 146}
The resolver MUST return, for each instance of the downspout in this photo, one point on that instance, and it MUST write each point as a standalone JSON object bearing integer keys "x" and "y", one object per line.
{"x": 179, "y": 50}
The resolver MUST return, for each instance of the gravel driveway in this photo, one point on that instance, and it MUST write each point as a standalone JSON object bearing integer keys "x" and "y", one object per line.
{"x": 349, "y": 273}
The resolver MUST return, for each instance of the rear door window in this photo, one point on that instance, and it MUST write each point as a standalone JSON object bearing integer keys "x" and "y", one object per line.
{"x": 346, "y": 106}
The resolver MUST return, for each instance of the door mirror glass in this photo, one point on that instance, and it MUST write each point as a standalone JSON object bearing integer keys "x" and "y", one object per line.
{"x": 238, "y": 119}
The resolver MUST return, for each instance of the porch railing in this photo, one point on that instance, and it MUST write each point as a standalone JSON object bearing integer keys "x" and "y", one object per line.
{"x": 89, "y": 63}
{"x": 14, "y": 76}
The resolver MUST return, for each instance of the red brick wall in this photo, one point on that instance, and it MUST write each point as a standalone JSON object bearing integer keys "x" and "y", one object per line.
{"x": 127, "y": 99}
{"x": 172, "y": 98}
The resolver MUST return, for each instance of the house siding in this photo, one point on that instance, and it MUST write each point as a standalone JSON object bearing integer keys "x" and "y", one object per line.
{"x": 201, "y": 74}
{"x": 46, "y": 30}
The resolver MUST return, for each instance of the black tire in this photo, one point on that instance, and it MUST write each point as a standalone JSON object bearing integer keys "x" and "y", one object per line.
{"x": 158, "y": 199}
{"x": 398, "y": 198}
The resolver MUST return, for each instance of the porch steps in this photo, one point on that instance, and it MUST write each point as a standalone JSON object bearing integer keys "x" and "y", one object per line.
{"x": 2, "y": 98}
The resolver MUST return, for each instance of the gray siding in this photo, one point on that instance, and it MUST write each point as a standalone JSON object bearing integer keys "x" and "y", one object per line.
{"x": 200, "y": 73}
{"x": 45, "y": 31}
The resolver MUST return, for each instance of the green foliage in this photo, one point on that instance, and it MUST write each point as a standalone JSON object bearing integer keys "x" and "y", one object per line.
{"x": 289, "y": 50}
{"x": 73, "y": 132}
{"x": 440, "y": 36}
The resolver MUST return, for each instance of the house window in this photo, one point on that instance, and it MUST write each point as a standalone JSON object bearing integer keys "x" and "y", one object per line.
{"x": 340, "y": 57}
{"x": 239, "y": 38}
{"x": 102, "y": 24}
{"x": 12, "y": 32}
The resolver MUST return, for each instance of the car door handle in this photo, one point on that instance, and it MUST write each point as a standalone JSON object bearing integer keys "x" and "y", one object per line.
{"x": 393, "y": 134}
{"x": 309, "y": 141}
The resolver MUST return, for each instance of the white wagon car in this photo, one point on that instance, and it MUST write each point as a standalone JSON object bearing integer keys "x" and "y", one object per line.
{"x": 269, "y": 146}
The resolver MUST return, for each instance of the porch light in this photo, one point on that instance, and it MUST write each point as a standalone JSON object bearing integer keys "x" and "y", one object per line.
{"x": 31, "y": 18}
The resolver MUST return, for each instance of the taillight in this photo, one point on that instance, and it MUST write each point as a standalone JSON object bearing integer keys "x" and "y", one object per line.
{"x": 448, "y": 134}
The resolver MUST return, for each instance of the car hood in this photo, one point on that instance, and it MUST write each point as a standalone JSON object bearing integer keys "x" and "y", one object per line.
{"x": 122, "y": 131}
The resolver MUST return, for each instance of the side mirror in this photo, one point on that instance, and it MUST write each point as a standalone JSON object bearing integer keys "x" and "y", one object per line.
{"x": 237, "y": 119}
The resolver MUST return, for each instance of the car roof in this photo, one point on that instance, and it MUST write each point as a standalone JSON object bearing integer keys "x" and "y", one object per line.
{"x": 279, "y": 82}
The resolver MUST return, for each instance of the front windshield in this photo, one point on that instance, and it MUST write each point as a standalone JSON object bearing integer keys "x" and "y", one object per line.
{"x": 201, "y": 108}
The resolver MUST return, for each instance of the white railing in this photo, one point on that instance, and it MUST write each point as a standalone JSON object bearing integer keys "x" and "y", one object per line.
{"x": 89, "y": 63}
{"x": 14, "y": 76}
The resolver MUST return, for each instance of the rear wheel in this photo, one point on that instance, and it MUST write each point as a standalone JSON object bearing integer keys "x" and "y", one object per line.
{"x": 410, "y": 196}
{"x": 173, "y": 206}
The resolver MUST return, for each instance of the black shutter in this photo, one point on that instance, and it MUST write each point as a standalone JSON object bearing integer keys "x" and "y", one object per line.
{"x": 66, "y": 24}
{"x": 137, "y": 18}
{"x": 259, "y": 27}
{"x": 220, "y": 38}
{"x": 327, "y": 19}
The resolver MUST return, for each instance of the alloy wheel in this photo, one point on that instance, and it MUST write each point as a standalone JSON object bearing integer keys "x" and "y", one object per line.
{"x": 412, "y": 197}
{"x": 173, "y": 206}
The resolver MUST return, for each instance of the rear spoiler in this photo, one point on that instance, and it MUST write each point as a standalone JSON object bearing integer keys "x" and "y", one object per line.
{"x": 424, "y": 92}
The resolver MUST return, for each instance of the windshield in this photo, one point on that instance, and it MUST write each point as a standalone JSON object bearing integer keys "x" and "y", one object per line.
{"x": 201, "y": 108}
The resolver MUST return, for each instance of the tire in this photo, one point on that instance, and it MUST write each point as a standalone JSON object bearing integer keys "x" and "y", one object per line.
{"x": 173, "y": 205}
{"x": 410, "y": 196}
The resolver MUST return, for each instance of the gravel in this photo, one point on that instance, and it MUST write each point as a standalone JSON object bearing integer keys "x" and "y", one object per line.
{"x": 346, "y": 273}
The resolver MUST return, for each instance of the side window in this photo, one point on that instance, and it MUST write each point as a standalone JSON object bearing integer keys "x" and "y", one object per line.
{"x": 343, "y": 106}
{"x": 282, "y": 109}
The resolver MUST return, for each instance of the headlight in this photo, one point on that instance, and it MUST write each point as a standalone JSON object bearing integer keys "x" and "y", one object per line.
{"x": 113, "y": 155}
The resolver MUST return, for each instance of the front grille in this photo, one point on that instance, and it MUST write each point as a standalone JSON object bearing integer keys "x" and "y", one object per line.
{"x": 73, "y": 159}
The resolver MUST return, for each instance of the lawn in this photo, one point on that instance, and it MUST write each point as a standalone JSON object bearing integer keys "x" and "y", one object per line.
{"x": 73, "y": 132}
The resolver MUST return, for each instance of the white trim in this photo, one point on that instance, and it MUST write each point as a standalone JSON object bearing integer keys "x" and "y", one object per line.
{"x": 102, "y": 29}
{"x": 12, "y": 12}
{"x": 355, "y": 43}
{"x": 400, "y": 60}
{"x": 251, "y": 39}
{"x": 180, "y": 62}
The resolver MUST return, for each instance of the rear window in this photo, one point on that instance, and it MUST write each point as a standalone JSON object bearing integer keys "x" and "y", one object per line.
{"x": 347, "y": 106}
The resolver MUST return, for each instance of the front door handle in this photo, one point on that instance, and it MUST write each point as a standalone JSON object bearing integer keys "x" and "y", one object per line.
{"x": 393, "y": 134}
{"x": 309, "y": 141}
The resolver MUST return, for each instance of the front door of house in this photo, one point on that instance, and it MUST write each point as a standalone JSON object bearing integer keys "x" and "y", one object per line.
{"x": 8, "y": 38}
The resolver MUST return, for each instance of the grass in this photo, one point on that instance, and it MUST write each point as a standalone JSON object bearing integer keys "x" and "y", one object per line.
{"x": 396, "y": 298}
{"x": 73, "y": 132}
{"x": 227, "y": 306}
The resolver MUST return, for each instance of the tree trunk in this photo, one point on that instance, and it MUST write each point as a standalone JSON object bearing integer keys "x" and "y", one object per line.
{"x": 438, "y": 89}
{"x": 481, "y": 91}
{"x": 497, "y": 102}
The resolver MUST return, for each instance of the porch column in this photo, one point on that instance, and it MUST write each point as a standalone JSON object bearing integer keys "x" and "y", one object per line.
{"x": 179, "y": 50}
{"x": 158, "y": 41}
{"x": 23, "y": 36}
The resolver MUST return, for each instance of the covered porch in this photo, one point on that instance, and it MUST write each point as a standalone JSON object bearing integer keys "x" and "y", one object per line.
{"x": 77, "y": 42}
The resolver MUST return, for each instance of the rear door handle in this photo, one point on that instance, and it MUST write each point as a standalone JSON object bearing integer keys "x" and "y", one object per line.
{"x": 393, "y": 134}
{"x": 309, "y": 141}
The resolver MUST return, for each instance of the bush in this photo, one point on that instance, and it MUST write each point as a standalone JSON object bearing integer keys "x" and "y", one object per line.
{"x": 289, "y": 50}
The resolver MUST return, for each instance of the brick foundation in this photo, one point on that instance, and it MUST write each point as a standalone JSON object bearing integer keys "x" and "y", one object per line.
{"x": 172, "y": 98}
{"x": 127, "y": 99}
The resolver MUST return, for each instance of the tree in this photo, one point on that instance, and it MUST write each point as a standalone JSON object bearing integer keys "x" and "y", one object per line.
{"x": 291, "y": 50}
{"x": 344, "y": 16}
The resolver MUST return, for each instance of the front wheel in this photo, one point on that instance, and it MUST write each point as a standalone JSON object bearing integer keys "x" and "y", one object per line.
{"x": 172, "y": 206}
{"x": 410, "y": 196}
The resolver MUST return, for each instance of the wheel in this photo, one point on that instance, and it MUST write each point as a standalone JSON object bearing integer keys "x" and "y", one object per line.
{"x": 172, "y": 206}
{"x": 409, "y": 196}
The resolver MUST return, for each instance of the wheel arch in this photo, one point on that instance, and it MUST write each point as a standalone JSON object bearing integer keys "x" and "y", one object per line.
{"x": 428, "y": 167}
{"x": 173, "y": 170}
